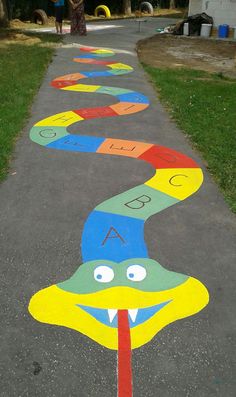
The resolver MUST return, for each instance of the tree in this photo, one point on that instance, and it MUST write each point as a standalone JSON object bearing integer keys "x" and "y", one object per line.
{"x": 127, "y": 7}
{"x": 3, "y": 14}
{"x": 172, "y": 3}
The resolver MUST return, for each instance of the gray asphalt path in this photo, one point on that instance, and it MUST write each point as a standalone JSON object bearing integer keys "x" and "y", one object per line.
{"x": 43, "y": 206}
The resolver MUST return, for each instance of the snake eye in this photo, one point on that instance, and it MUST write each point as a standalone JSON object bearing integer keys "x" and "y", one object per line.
{"x": 136, "y": 273}
{"x": 103, "y": 274}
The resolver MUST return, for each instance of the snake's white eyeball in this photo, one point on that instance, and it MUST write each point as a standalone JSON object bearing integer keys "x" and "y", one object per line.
{"x": 136, "y": 273}
{"x": 103, "y": 274}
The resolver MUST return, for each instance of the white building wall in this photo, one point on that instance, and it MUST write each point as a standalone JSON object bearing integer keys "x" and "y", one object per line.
{"x": 195, "y": 7}
{"x": 222, "y": 11}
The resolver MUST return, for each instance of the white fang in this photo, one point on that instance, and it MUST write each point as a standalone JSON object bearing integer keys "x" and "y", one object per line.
{"x": 112, "y": 313}
{"x": 133, "y": 314}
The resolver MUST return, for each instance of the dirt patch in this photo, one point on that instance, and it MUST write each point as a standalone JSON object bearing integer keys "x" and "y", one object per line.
{"x": 17, "y": 38}
{"x": 167, "y": 51}
{"x": 18, "y": 24}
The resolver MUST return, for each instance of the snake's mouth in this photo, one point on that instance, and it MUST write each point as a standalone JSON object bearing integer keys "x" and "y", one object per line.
{"x": 96, "y": 314}
{"x": 136, "y": 317}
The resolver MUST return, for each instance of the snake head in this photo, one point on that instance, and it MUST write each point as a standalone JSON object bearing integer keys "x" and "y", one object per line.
{"x": 88, "y": 302}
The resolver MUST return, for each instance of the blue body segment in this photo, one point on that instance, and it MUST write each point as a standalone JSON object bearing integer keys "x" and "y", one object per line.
{"x": 94, "y": 56}
{"x": 133, "y": 97}
{"x": 86, "y": 56}
{"x": 77, "y": 143}
{"x": 97, "y": 74}
{"x": 113, "y": 237}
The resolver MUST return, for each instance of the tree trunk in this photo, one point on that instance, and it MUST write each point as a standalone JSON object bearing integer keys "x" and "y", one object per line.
{"x": 172, "y": 4}
{"x": 3, "y": 14}
{"x": 127, "y": 7}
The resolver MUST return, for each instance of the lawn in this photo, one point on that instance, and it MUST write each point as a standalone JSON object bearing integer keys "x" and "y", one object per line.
{"x": 204, "y": 107}
{"x": 22, "y": 67}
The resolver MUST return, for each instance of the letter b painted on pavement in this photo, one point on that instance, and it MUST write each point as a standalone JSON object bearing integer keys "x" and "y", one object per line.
{"x": 138, "y": 202}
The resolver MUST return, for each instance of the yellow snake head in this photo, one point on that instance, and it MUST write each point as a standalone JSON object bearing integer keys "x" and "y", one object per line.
{"x": 88, "y": 301}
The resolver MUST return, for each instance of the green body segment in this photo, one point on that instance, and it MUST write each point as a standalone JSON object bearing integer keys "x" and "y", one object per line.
{"x": 133, "y": 202}
{"x": 113, "y": 90}
{"x": 43, "y": 135}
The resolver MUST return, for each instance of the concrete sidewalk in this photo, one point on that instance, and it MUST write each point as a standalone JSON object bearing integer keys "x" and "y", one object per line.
{"x": 43, "y": 207}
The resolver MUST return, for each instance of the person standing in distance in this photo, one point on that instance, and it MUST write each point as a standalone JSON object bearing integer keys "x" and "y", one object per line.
{"x": 59, "y": 7}
{"x": 78, "y": 24}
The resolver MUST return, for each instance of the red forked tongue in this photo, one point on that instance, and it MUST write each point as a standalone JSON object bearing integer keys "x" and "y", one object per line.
{"x": 124, "y": 355}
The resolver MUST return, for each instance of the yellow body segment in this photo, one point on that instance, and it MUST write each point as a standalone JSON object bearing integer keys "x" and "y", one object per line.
{"x": 102, "y": 51}
{"x": 177, "y": 182}
{"x": 82, "y": 88}
{"x": 60, "y": 120}
{"x": 120, "y": 66}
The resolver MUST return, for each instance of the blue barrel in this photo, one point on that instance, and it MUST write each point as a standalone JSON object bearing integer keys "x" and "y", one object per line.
{"x": 223, "y": 31}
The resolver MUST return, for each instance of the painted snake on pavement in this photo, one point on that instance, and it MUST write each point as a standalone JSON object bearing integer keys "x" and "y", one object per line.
{"x": 119, "y": 297}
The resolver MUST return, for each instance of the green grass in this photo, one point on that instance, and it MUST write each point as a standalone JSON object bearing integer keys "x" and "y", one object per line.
{"x": 204, "y": 107}
{"x": 22, "y": 68}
